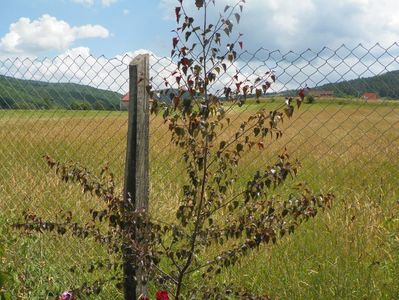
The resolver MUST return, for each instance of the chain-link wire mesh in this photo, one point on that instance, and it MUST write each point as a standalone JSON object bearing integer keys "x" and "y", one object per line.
{"x": 346, "y": 136}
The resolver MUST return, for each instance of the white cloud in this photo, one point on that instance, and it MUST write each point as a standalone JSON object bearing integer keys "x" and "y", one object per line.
{"x": 313, "y": 24}
{"x": 78, "y": 65}
{"x": 29, "y": 37}
{"x": 84, "y": 2}
{"x": 91, "y": 31}
{"x": 107, "y": 3}
{"x": 287, "y": 25}
{"x": 90, "y": 3}
{"x": 126, "y": 12}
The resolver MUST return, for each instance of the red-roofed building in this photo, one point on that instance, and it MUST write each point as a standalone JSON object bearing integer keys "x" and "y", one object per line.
{"x": 370, "y": 96}
{"x": 165, "y": 96}
{"x": 124, "y": 104}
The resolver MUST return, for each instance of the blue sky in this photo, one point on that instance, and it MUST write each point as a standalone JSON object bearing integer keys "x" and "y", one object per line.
{"x": 110, "y": 27}
{"x": 131, "y": 24}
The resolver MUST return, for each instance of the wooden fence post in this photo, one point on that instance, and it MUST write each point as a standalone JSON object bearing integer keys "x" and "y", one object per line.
{"x": 136, "y": 169}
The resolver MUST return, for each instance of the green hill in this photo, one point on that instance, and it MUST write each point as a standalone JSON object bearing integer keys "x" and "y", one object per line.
{"x": 30, "y": 94}
{"x": 385, "y": 85}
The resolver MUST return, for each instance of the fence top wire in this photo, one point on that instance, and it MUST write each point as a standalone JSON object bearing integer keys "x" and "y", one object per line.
{"x": 293, "y": 69}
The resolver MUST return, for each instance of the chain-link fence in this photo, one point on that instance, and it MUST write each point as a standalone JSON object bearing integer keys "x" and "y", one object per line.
{"x": 346, "y": 135}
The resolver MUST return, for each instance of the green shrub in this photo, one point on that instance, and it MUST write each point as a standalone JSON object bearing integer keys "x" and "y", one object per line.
{"x": 80, "y": 105}
{"x": 310, "y": 99}
{"x": 100, "y": 105}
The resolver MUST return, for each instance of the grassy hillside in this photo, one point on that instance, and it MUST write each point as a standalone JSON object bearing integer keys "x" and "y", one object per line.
{"x": 386, "y": 85}
{"x": 29, "y": 94}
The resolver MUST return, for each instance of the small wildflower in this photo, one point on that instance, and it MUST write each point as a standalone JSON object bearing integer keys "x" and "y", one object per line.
{"x": 67, "y": 296}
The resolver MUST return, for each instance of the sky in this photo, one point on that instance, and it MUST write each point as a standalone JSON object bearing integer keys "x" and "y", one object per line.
{"x": 41, "y": 28}
{"x": 106, "y": 27}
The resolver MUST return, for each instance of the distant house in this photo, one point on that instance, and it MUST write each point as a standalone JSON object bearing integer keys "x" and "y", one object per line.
{"x": 124, "y": 104}
{"x": 165, "y": 95}
{"x": 370, "y": 96}
{"x": 321, "y": 93}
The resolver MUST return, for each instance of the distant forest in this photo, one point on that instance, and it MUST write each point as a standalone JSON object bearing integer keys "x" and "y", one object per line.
{"x": 30, "y": 94}
{"x": 385, "y": 85}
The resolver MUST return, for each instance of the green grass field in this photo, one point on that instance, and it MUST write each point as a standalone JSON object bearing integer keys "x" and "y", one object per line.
{"x": 348, "y": 147}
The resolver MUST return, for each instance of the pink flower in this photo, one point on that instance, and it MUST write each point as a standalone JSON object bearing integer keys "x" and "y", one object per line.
{"x": 162, "y": 295}
{"x": 67, "y": 296}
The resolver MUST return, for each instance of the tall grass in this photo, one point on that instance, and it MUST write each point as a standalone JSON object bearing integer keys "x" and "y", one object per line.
{"x": 350, "y": 252}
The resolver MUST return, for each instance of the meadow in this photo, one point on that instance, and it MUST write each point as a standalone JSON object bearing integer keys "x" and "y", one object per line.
{"x": 348, "y": 147}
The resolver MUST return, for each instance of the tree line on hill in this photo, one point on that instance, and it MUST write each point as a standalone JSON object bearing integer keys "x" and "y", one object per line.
{"x": 385, "y": 85}
{"x": 29, "y": 94}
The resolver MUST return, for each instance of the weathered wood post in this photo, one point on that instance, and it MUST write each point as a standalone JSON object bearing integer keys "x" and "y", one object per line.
{"x": 136, "y": 169}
